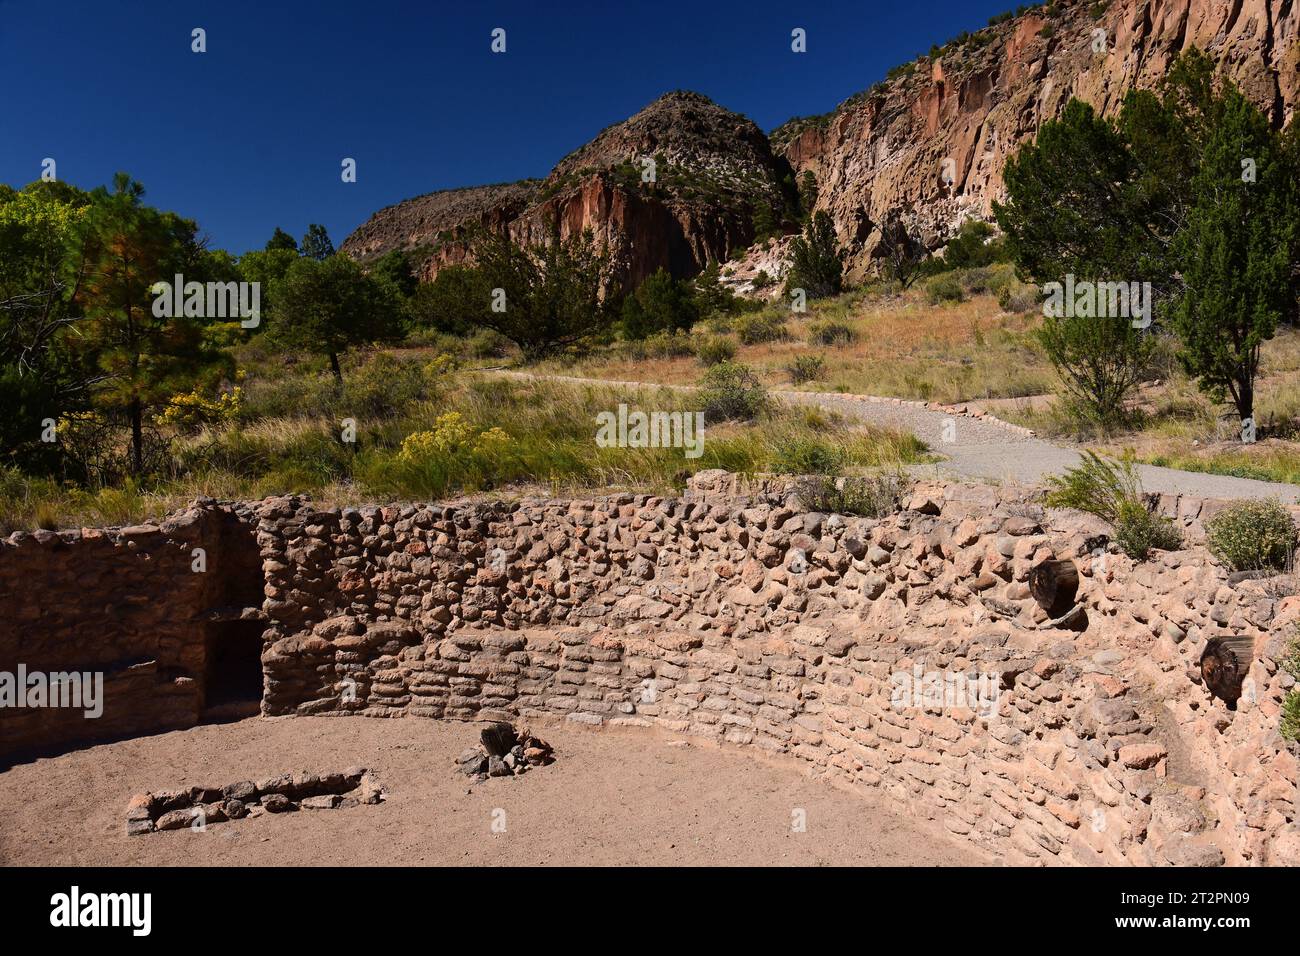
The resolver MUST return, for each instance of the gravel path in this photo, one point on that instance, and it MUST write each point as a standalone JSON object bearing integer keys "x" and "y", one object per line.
{"x": 980, "y": 448}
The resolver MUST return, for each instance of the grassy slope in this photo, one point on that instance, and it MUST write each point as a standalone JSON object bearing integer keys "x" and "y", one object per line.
{"x": 286, "y": 439}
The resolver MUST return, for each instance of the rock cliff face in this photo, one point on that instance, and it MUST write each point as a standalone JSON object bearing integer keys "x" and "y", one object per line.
{"x": 929, "y": 144}
{"x": 675, "y": 186}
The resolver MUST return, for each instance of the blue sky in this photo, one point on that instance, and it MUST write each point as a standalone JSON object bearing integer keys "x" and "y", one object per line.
{"x": 251, "y": 134}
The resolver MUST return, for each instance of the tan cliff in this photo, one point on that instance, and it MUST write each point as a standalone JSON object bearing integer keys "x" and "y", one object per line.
{"x": 886, "y": 151}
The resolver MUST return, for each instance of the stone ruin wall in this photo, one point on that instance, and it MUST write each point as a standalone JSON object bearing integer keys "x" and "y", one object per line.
{"x": 125, "y": 602}
{"x": 732, "y": 615}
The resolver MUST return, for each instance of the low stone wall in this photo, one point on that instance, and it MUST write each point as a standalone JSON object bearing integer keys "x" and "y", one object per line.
{"x": 903, "y": 655}
{"x": 125, "y": 604}
{"x": 747, "y": 621}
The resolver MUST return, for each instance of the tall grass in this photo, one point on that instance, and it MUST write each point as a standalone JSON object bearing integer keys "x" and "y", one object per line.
{"x": 279, "y": 447}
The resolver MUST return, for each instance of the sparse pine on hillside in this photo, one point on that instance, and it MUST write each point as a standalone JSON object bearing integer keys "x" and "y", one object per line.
{"x": 816, "y": 260}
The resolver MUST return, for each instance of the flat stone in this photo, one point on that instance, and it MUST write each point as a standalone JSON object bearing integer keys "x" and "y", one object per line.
{"x": 326, "y": 801}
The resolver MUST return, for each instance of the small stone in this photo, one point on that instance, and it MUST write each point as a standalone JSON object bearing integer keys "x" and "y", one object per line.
{"x": 277, "y": 803}
{"x": 137, "y": 827}
{"x": 369, "y": 790}
{"x": 235, "y": 809}
{"x": 175, "y": 820}
{"x": 1141, "y": 756}
{"x": 244, "y": 790}
{"x": 471, "y": 762}
{"x": 140, "y": 807}
{"x": 327, "y": 801}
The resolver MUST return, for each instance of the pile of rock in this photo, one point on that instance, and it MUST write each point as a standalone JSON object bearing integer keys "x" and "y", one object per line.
{"x": 504, "y": 752}
{"x": 195, "y": 807}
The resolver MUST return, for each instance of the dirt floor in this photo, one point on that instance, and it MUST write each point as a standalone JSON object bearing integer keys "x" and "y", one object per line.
{"x": 611, "y": 798}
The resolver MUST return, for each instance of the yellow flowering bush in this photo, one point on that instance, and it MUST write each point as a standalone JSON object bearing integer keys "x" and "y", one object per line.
{"x": 440, "y": 366}
{"x": 189, "y": 411}
{"x": 452, "y": 435}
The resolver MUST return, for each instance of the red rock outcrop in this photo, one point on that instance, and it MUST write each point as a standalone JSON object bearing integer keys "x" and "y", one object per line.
{"x": 711, "y": 169}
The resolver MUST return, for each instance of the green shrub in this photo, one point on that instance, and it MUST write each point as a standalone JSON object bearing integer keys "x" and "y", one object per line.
{"x": 1097, "y": 485}
{"x": 944, "y": 288}
{"x": 805, "y": 368}
{"x": 757, "y": 329}
{"x": 1139, "y": 531}
{"x": 730, "y": 391}
{"x": 976, "y": 281}
{"x": 385, "y": 385}
{"x": 1290, "y": 724}
{"x": 831, "y": 332}
{"x": 715, "y": 349}
{"x": 816, "y": 261}
{"x": 670, "y": 345}
{"x": 1111, "y": 491}
{"x": 807, "y": 455}
{"x": 1252, "y": 536}
{"x": 660, "y": 304}
{"x": 872, "y": 497}
{"x": 488, "y": 343}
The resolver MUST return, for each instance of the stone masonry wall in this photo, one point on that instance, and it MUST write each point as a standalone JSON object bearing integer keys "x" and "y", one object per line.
{"x": 124, "y": 602}
{"x": 748, "y": 621}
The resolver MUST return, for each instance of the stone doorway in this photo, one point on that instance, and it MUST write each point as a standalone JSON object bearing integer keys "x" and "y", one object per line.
{"x": 232, "y": 674}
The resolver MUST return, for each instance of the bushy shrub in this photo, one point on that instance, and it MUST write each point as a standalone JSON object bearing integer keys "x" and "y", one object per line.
{"x": 660, "y": 304}
{"x": 760, "y": 328}
{"x": 807, "y": 456}
{"x": 871, "y": 497}
{"x": 1017, "y": 297}
{"x": 1290, "y": 723}
{"x": 831, "y": 332}
{"x": 805, "y": 368}
{"x": 976, "y": 281}
{"x": 189, "y": 411}
{"x": 670, "y": 345}
{"x": 1139, "y": 531}
{"x": 451, "y": 435}
{"x": 1111, "y": 491}
{"x": 488, "y": 343}
{"x": 715, "y": 349}
{"x": 944, "y": 288}
{"x": 1252, "y": 536}
{"x": 731, "y": 391}
{"x": 385, "y": 385}
{"x": 816, "y": 261}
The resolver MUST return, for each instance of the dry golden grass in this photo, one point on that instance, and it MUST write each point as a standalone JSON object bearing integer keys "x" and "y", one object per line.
{"x": 904, "y": 348}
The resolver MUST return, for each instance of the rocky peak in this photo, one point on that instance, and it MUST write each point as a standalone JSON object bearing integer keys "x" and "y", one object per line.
{"x": 711, "y": 170}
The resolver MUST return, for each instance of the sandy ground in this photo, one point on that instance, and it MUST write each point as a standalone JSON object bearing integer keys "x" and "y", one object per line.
{"x": 611, "y": 798}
